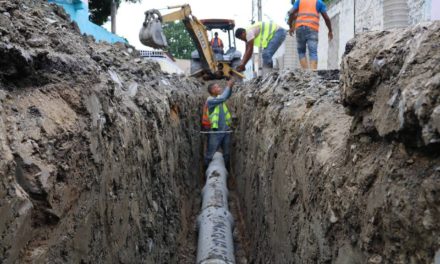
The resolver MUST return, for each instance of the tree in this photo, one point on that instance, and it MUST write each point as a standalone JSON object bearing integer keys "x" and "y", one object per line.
{"x": 179, "y": 40}
{"x": 100, "y": 10}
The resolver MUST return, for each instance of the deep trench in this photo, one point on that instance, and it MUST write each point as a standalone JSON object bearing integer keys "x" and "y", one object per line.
{"x": 188, "y": 245}
{"x": 100, "y": 152}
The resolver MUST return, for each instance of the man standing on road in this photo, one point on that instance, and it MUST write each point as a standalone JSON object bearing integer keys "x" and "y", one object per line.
{"x": 220, "y": 122}
{"x": 304, "y": 18}
{"x": 266, "y": 35}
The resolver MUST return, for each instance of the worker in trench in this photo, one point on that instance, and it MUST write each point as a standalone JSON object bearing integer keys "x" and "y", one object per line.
{"x": 217, "y": 118}
{"x": 304, "y": 19}
{"x": 266, "y": 35}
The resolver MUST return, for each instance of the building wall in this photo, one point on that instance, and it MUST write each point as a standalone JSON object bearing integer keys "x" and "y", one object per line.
{"x": 286, "y": 57}
{"x": 280, "y": 56}
{"x": 418, "y": 11}
{"x": 369, "y": 15}
{"x": 333, "y": 45}
{"x": 291, "y": 55}
{"x": 341, "y": 14}
{"x": 167, "y": 65}
{"x": 184, "y": 65}
{"x": 78, "y": 11}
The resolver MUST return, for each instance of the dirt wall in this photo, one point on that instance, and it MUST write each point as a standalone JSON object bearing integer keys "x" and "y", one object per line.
{"x": 326, "y": 184}
{"x": 99, "y": 153}
{"x": 98, "y": 158}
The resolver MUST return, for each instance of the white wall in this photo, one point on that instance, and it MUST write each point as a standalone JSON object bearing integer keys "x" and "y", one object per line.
{"x": 345, "y": 30}
{"x": 435, "y": 9}
{"x": 419, "y": 10}
{"x": 369, "y": 15}
{"x": 291, "y": 53}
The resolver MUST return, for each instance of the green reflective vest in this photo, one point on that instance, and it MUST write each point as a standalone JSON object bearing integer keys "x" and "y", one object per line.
{"x": 215, "y": 115}
{"x": 267, "y": 30}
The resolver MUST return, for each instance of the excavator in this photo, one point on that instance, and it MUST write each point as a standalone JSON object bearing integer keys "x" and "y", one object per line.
{"x": 204, "y": 62}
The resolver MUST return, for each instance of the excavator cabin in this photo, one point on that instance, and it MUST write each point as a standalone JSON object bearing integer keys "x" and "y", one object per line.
{"x": 230, "y": 54}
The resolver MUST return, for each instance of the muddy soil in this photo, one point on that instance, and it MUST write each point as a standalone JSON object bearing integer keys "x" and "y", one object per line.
{"x": 97, "y": 147}
{"x": 324, "y": 183}
{"x": 100, "y": 152}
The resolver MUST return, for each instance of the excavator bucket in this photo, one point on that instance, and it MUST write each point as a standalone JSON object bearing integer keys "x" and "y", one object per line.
{"x": 151, "y": 33}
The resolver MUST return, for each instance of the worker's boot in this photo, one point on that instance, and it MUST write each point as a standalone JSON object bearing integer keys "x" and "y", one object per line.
{"x": 314, "y": 65}
{"x": 304, "y": 63}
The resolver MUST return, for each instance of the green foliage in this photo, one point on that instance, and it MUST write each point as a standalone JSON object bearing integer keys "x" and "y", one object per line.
{"x": 100, "y": 9}
{"x": 179, "y": 41}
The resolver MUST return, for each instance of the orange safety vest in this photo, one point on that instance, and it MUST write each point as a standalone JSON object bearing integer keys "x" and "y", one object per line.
{"x": 206, "y": 124}
{"x": 308, "y": 15}
{"x": 219, "y": 43}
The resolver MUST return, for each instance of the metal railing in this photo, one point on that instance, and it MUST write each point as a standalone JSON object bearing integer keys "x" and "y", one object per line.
{"x": 153, "y": 54}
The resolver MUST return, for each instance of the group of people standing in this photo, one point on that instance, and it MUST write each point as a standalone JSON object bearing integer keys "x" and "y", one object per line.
{"x": 303, "y": 19}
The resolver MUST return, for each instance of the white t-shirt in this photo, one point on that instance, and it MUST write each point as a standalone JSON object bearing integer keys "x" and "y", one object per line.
{"x": 254, "y": 30}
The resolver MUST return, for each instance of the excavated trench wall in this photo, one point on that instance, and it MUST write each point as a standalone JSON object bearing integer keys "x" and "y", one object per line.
{"x": 321, "y": 183}
{"x": 98, "y": 155}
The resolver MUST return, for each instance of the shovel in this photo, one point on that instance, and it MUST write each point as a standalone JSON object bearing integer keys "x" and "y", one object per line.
{"x": 151, "y": 33}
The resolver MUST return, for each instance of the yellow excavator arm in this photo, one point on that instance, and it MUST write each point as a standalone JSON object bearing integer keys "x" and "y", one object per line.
{"x": 152, "y": 35}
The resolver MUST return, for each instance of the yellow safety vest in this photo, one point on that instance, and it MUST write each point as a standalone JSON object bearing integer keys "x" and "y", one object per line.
{"x": 267, "y": 30}
{"x": 215, "y": 115}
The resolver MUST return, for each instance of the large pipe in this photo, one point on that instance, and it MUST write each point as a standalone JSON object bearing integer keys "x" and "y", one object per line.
{"x": 215, "y": 222}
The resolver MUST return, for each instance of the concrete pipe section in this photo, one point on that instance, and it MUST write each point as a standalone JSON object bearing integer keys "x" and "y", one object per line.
{"x": 215, "y": 222}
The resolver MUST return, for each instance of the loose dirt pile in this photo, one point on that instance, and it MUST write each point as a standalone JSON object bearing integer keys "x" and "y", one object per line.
{"x": 98, "y": 157}
{"x": 322, "y": 186}
{"x": 390, "y": 82}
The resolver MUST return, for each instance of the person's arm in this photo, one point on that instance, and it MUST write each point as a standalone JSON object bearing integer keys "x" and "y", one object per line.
{"x": 213, "y": 101}
{"x": 292, "y": 20}
{"x": 247, "y": 55}
{"x": 329, "y": 25}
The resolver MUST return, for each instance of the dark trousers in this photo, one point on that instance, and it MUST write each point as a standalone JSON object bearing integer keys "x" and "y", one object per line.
{"x": 276, "y": 41}
{"x": 215, "y": 142}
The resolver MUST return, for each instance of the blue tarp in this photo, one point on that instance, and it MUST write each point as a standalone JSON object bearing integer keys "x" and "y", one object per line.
{"x": 79, "y": 12}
